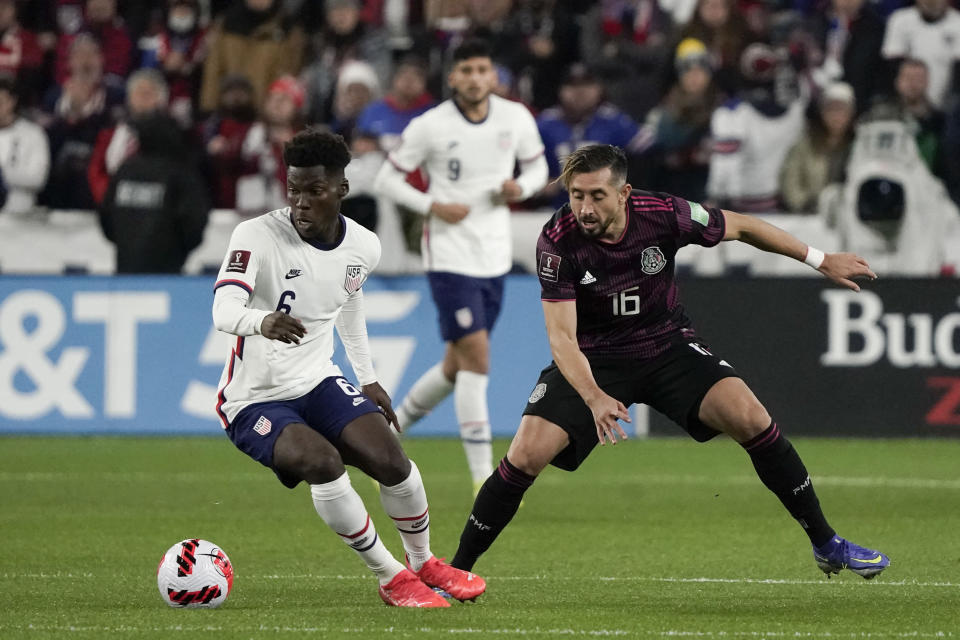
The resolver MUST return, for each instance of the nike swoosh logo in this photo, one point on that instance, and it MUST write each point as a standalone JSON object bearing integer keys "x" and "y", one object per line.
{"x": 879, "y": 558}
{"x": 288, "y": 276}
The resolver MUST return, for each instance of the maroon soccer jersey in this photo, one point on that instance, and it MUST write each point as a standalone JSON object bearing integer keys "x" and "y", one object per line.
{"x": 627, "y": 301}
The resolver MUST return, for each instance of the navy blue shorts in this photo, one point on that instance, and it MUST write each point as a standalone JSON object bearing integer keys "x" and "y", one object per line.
{"x": 465, "y": 304}
{"x": 331, "y": 406}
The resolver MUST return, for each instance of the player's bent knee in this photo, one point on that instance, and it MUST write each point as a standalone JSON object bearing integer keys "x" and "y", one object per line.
{"x": 314, "y": 466}
{"x": 390, "y": 469}
{"x": 749, "y": 421}
{"x": 528, "y": 460}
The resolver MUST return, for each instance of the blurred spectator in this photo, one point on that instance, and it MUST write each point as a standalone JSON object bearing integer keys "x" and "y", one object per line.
{"x": 580, "y": 118}
{"x": 24, "y": 153}
{"x": 820, "y": 157}
{"x": 252, "y": 37}
{"x": 851, "y": 35}
{"x": 357, "y": 86}
{"x": 539, "y": 41}
{"x": 753, "y": 134}
{"x": 929, "y": 31}
{"x": 506, "y": 84}
{"x": 628, "y": 43}
{"x": 911, "y": 104}
{"x": 674, "y": 142}
{"x": 726, "y": 34}
{"x": 76, "y": 112}
{"x": 155, "y": 209}
{"x": 344, "y": 38}
{"x": 222, "y": 136}
{"x": 378, "y": 133}
{"x": 385, "y": 119}
{"x": 20, "y": 53}
{"x": 264, "y": 188}
{"x": 102, "y": 22}
{"x": 181, "y": 50}
{"x": 452, "y": 19}
{"x": 146, "y": 93}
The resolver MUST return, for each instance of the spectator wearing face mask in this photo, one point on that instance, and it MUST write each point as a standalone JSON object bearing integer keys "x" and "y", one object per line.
{"x": 178, "y": 51}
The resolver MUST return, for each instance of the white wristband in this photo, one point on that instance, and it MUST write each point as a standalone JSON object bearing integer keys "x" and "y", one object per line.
{"x": 814, "y": 257}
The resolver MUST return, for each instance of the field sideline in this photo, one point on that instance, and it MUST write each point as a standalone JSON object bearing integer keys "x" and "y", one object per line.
{"x": 660, "y": 538}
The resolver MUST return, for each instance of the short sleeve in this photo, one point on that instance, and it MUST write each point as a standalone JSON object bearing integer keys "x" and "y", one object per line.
{"x": 243, "y": 260}
{"x": 697, "y": 224}
{"x": 529, "y": 143}
{"x": 414, "y": 146}
{"x": 556, "y": 272}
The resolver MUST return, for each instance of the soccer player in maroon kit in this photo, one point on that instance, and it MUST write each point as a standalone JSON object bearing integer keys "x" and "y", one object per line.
{"x": 619, "y": 335}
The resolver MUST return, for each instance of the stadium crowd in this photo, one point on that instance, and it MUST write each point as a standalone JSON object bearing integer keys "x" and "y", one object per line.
{"x": 846, "y": 110}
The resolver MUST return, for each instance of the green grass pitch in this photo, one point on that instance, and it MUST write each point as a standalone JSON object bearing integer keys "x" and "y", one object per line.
{"x": 660, "y": 538}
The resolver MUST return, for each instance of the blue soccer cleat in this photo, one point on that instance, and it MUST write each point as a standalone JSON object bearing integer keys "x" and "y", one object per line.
{"x": 839, "y": 554}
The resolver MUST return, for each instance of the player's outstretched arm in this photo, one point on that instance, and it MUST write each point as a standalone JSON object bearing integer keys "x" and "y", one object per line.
{"x": 561, "y": 320}
{"x": 841, "y": 268}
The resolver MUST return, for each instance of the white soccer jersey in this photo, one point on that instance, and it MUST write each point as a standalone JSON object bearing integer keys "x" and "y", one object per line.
{"x": 312, "y": 282}
{"x": 467, "y": 163}
{"x": 749, "y": 151}
{"x": 937, "y": 44}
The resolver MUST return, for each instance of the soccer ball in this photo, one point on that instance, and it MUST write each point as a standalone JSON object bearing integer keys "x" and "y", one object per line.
{"x": 194, "y": 573}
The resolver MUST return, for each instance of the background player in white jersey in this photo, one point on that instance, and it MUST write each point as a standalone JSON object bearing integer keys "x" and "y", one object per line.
{"x": 289, "y": 277}
{"x": 469, "y": 146}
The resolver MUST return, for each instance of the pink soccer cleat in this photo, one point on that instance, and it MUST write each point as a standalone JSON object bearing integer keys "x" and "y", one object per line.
{"x": 406, "y": 590}
{"x": 460, "y": 584}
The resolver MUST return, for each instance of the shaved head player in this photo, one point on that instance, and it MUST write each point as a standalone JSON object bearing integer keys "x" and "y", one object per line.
{"x": 619, "y": 336}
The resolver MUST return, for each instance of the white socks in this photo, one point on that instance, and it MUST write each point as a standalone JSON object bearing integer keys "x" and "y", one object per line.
{"x": 406, "y": 503}
{"x": 426, "y": 393}
{"x": 343, "y": 511}
{"x": 470, "y": 401}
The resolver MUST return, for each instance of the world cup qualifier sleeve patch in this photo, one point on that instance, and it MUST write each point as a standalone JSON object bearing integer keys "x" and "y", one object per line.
{"x": 239, "y": 261}
{"x": 549, "y": 266}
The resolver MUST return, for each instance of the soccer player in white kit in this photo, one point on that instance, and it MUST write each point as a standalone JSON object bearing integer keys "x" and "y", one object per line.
{"x": 469, "y": 146}
{"x": 290, "y": 276}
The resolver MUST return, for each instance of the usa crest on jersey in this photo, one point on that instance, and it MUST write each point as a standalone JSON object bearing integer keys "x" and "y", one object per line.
{"x": 354, "y": 278}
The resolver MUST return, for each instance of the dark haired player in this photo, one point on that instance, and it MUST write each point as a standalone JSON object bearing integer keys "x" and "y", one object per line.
{"x": 469, "y": 146}
{"x": 289, "y": 277}
{"x": 619, "y": 336}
